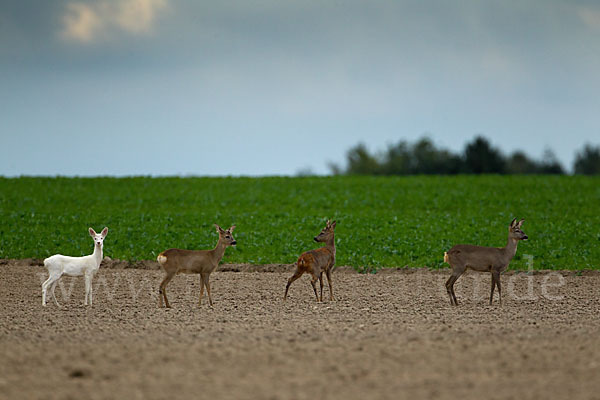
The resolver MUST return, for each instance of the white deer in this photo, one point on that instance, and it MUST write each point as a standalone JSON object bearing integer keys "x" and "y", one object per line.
{"x": 59, "y": 265}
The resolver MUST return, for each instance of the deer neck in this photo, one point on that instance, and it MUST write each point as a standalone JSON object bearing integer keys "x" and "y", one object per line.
{"x": 97, "y": 254}
{"x": 218, "y": 252}
{"x": 330, "y": 244}
{"x": 511, "y": 248}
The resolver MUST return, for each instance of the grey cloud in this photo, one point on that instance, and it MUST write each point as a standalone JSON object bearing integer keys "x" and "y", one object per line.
{"x": 397, "y": 67}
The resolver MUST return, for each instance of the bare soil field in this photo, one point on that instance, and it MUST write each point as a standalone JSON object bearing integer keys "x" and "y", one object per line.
{"x": 389, "y": 335}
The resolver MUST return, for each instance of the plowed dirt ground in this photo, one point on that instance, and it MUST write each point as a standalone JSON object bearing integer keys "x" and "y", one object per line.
{"x": 389, "y": 335}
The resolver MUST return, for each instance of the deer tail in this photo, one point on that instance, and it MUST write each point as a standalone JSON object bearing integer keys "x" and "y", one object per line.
{"x": 51, "y": 263}
{"x": 162, "y": 259}
{"x": 446, "y": 257}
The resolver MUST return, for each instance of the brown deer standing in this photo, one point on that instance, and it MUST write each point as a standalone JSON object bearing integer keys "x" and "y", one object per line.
{"x": 202, "y": 262}
{"x": 483, "y": 259}
{"x": 317, "y": 261}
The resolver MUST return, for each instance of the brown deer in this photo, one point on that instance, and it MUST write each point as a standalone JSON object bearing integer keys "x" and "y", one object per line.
{"x": 203, "y": 262}
{"x": 317, "y": 261}
{"x": 483, "y": 259}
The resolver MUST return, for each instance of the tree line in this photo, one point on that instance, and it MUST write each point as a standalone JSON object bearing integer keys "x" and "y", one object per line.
{"x": 478, "y": 157}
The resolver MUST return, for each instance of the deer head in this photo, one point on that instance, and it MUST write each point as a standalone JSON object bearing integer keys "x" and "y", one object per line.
{"x": 326, "y": 233}
{"x": 515, "y": 232}
{"x": 98, "y": 237}
{"x": 225, "y": 236}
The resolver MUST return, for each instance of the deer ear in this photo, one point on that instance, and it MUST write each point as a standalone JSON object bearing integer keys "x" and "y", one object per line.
{"x": 92, "y": 232}
{"x": 231, "y": 229}
{"x": 333, "y": 224}
{"x": 219, "y": 229}
{"x": 520, "y": 223}
{"x": 513, "y": 222}
{"x": 104, "y": 231}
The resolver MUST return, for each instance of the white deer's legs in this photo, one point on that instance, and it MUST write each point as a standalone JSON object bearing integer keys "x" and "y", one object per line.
{"x": 52, "y": 281}
{"x": 49, "y": 283}
{"x": 88, "y": 289}
{"x": 52, "y": 292}
{"x": 44, "y": 288}
{"x": 91, "y": 291}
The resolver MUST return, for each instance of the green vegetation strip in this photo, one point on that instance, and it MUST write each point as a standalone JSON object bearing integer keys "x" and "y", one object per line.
{"x": 382, "y": 221}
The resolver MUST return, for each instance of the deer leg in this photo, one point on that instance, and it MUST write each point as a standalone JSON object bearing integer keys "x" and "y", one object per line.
{"x": 45, "y": 289}
{"x": 497, "y": 277}
{"x": 91, "y": 293}
{"x": 207, "y": 284}
{"x": 328, "y": 273}
{"x": 46, "y": 285}
{"x": 88, "y": 290}
{"x": 313, "y": 282}
{"x": 321, "y": 283}
{"x": 162, "y": 290}
{"x": 452, "y": 289}
{"x": 493, "y": 287}
{"x": 201, "y": 290}
{"x": 450, "y": 285}
{"x": 52, "y": 287}
{"x": 448, "y": 290}
{"x": 50, "y": 284}
{"x": 296, "y": 275}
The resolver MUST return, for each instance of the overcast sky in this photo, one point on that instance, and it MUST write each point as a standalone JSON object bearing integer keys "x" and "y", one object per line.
{"x": 164, "y": 87}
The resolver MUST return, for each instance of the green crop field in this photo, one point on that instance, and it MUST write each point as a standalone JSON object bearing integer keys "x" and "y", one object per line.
{"x": 382, "y": 221}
